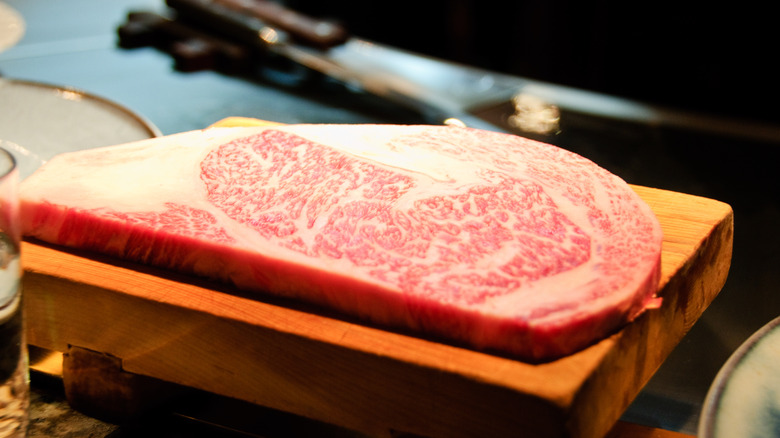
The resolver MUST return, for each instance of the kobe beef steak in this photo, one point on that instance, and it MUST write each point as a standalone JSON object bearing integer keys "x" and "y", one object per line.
{"x": 483, "y": 239}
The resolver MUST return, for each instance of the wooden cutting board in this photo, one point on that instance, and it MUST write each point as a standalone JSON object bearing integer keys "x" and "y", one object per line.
{"x": 198, "y": 334}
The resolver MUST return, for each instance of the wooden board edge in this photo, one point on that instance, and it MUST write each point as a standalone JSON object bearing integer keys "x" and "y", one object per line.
{"x": 687, "y": 292}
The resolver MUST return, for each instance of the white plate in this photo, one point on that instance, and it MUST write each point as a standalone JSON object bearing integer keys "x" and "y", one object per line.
{"x": 744, "y": 399}
{"x": 38, "y": 121}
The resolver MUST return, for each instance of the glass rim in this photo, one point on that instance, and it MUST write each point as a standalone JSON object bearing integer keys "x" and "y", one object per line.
{"x": 11, "y": 160}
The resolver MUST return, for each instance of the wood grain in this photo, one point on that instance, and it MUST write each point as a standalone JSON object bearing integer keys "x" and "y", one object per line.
{"x": 194, "y": 333}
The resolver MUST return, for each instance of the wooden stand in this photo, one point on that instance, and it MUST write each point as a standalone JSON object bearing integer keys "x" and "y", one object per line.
{"x": 192, "y": 333}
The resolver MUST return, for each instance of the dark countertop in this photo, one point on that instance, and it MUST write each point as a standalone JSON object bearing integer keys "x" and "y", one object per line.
{"x": 74, "y": 44}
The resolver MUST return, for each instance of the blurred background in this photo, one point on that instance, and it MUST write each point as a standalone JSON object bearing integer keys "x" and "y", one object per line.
{"x": 704, "y": 56}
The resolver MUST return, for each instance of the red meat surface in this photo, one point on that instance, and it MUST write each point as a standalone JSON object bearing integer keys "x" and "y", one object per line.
{"x": 484, "y": 239}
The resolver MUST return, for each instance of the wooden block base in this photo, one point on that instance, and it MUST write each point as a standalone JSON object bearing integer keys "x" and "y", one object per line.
{"x": 96, "y": 385}
{"x": 92, "y": 369}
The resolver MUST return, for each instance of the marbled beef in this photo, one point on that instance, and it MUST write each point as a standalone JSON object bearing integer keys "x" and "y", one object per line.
{"x": 486, "y": 239}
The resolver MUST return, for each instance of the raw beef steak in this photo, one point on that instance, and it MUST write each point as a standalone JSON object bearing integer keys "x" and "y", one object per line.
{"x": 487, "y": 239}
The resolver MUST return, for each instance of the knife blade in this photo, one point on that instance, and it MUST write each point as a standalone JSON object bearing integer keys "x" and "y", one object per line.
{"x": 440, "y": 90}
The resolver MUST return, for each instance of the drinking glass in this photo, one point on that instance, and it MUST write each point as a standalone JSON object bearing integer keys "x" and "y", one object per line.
{"x": 14, "y": 375}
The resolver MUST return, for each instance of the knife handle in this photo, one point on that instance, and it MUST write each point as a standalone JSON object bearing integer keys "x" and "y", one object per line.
{"x": 210, "y": 15}
{"x": 317, "y": 32}
{"x": 191, "y": 49}
{"x": 303, "y": 29}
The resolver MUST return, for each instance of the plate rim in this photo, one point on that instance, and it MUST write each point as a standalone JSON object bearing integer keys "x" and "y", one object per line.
{"x": 150, "y": 127}
{"x": 712, "y": 400}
